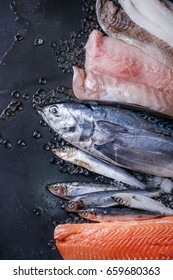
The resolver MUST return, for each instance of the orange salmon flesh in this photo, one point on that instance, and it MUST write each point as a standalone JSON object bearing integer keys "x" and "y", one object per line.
{"x": 129, "y": 240}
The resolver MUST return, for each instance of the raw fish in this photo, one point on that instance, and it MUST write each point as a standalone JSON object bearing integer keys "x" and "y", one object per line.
{"x": 131, "y": 139}
{"x": 99, "y": 87}
{"x": 126, "y": 240}
{"x": 154, "y": 16}
{"x": 117, "y": 59}
{"x": 112, "y": 214}
{"x": 116, "y": 23}
{"x": 91, "y": 163}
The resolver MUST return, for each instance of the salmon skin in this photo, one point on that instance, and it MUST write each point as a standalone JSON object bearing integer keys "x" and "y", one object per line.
{"x": 134, "y": 140}
{"x": 127, "y": 240}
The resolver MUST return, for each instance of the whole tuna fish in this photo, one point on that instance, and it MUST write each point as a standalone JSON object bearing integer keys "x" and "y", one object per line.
{"x": 134, "y": 140}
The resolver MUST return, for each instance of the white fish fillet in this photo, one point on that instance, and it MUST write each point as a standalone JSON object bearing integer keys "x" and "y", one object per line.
{"x": 117, "y": 59}
{"x": 99, "y": 87}
{"x": 152, "y": 15}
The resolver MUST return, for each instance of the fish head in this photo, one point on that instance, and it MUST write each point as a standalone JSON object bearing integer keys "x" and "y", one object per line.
{"x": 121, "y": 199}
{"x": 57, "y": 190}
{"x": 71, "y": 206}
{"x": 89, "y": 214}
{"x": 59, "y": 117}
{"x": 65, "y": 153}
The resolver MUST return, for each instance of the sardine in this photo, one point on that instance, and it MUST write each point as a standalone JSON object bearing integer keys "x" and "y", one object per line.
{"x": 142, "y": 202}
{"x": 89, "y": 162}
{"x": 103, "y": 199}
{"x": 112, "y": 214}
{"x": 130, "y": 139}
{"x": 154, "y": 16}
{"x": 116, "y": 23}
{"x": 71, "y": 189}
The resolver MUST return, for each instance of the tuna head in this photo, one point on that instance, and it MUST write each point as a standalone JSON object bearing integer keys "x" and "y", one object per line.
{"x": 72, "y": 121}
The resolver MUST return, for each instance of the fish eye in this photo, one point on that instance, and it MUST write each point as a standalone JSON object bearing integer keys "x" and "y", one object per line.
{"x": 53, "y": 110}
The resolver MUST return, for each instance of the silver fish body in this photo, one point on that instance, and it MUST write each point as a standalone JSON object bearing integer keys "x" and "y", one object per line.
{"x": 112, "y": 214}
{"x": 71, "y": 189}
{"x": 133, "y": 140}
{"x": 103, "y": 199}
{"x": 142, "y": 202}
{"x": 80, "y": 158}
{"x": 115, "y": 22}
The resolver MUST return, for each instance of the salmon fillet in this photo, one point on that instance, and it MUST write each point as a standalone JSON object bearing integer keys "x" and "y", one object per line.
{"x": 115, "y": 58}
{"x": 99, "y": 87}
{"x": 143, "y": 240}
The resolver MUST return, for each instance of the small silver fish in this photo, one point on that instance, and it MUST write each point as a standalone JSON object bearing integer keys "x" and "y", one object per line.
{"x": 112, "y": 214}
{"x": 89, "y": 162}
{"x": 71, "y": 189}
{"x": 103, "y": 199}
{"x": 142, "y": 202}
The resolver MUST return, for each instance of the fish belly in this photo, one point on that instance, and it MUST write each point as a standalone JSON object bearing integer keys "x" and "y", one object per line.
{"x": 143, "y": 240}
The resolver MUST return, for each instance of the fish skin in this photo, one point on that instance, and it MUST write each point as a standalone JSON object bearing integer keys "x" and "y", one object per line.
{"x": 71, "y": 189}
{"x": 89, "y": 162}
{"x": 145, "y": 13}
{"x": 117, "y": 59}
{"x": 112, "y": 214}
{"x": 104, "y": 198}
{"x": 152, "y": 240}
{"x": 134, "y": 140}
{"x": 115, "y": 22}
{"x": 98, "y": 87}
{"x": 142, "y": 202}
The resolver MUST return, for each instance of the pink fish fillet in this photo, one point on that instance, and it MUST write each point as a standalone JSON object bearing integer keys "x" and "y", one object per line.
{"x": 90, "y": 86}
{"x": 117, "y": 59}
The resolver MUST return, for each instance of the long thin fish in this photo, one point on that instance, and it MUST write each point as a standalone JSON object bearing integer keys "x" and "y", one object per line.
{"x": 89, "y": 162}
{"x": 104, "y": 199}
{"x": 142, "y": 202}
{"x": 116, "y": 23}
{"x": 98, "y": 87}
{"x": 71, "y": 189}
{"x": 112, "y": 214}
{"x": 121, "y": 240}
{"x": 154, "y": 16}
{"x": 131, "y": 139}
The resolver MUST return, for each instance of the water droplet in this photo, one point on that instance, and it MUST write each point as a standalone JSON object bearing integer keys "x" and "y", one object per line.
{"x": 15, "y": 94}
{"x": 38, "y": 42}
{"x": 46, "y": 147}
{"x": 55, "y": 223}
{"x": 53, "y": 45}
{"x": 37, "y": 211}
{"x": 19, "y": 37}
{"x": 42, "y": 81}
{"x": 22, "y": 143}
{"x": 26, "y": 96}
{"x": 37, "y": 134}
{"x": 43, "y": 123}
{"x": 7, "y": 144}
{"x": 51, "y": 244}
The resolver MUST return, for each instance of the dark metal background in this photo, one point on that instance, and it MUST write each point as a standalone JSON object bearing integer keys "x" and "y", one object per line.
{"x": 28, "y": 212}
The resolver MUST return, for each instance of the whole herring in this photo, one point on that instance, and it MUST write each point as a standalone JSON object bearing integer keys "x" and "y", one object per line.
{"x": 89, "y": 162}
